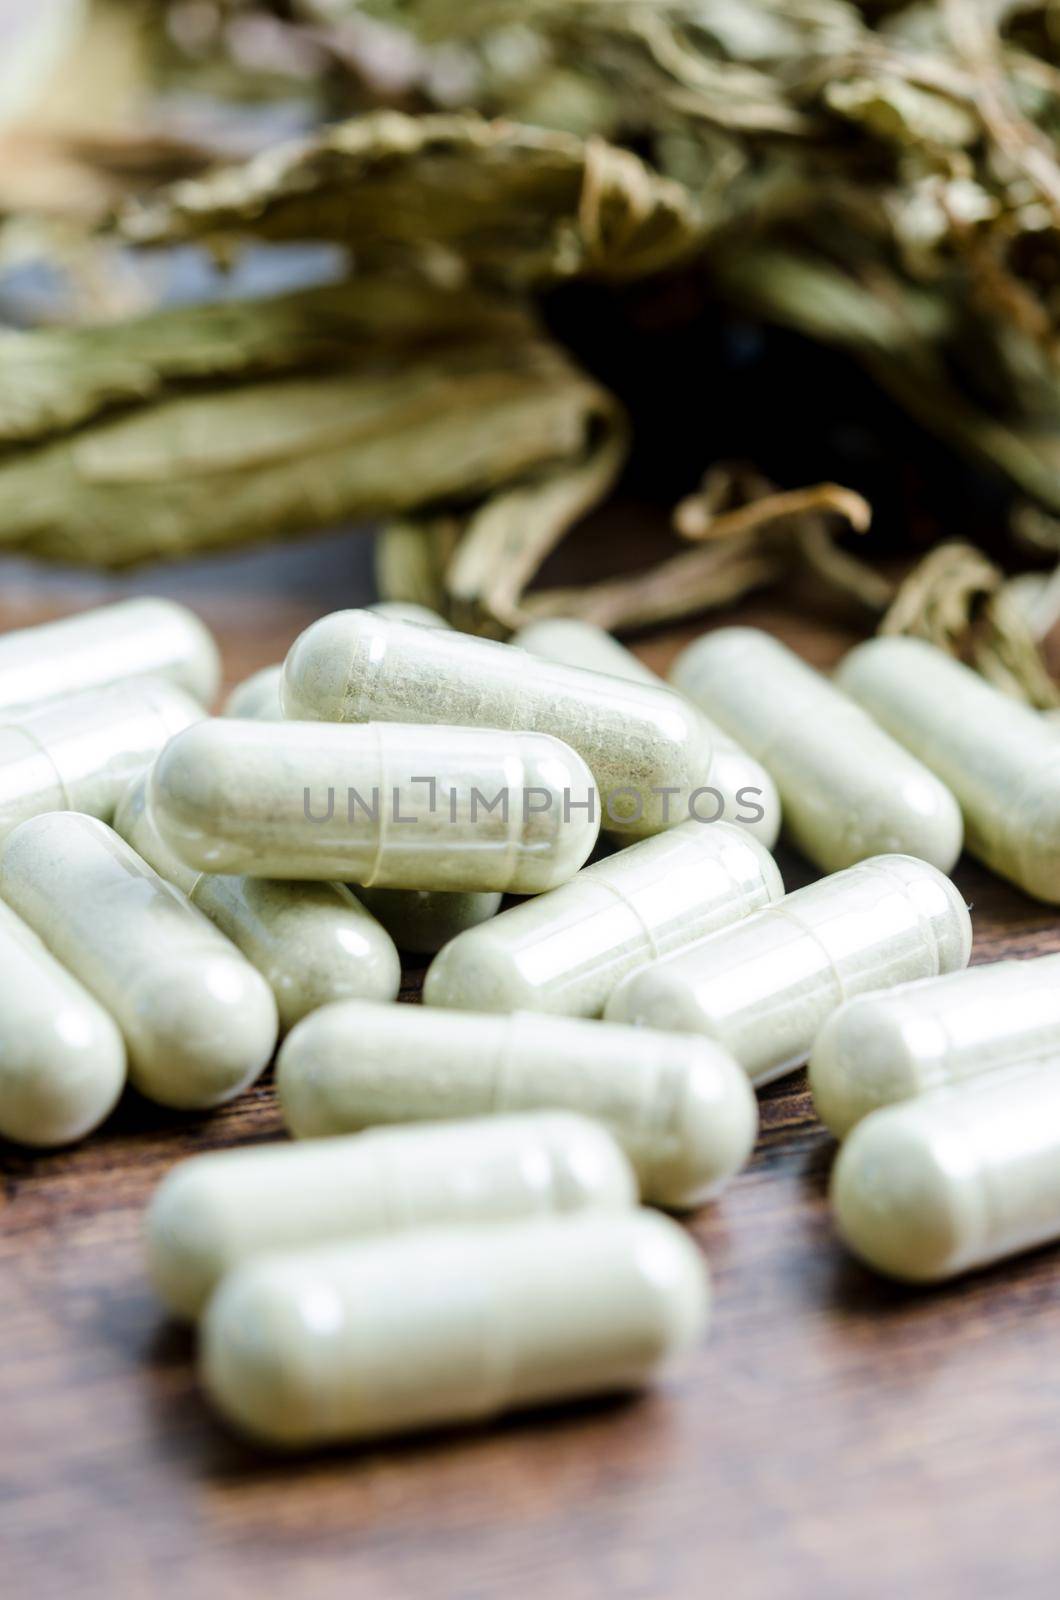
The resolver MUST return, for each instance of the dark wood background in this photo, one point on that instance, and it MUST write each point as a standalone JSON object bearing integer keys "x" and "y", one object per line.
{"x": 834, "y": 1436}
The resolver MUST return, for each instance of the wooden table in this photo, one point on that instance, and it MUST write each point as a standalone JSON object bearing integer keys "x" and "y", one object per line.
{"x": 835, "y": 1436}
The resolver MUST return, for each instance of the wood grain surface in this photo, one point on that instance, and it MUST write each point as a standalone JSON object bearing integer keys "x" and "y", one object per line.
{"x": 834, "y": 1436}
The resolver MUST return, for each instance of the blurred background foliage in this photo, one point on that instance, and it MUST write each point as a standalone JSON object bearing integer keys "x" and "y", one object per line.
{"x": 781, "y": 278}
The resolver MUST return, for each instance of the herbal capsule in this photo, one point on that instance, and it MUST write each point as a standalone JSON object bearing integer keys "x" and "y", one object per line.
{"x": 62, "y": 1060}
{"x": 566, "y": 950}
{"x": 217, "y": 1210}
{"x": 257, "y": 698}
{"x": 848, "y": 790}
{"x": 681, "y": 1108}
{"x": 880, "y": 1048}
{"x": 355, "y": 1340}
{"x": 133, "y": 639}
{"x": 646, "y": 748}
{"x": 417, "y": 920}
{"x": 422, "y": 921}
{"x": 951, "y": 1181}
{"x": 746, "y": 793}
{"x": 312, "y": 942}
{"x": 199, "y": 1023}
{"x": 259, "y": 695}
{"x": 387, "y": 804}
{"x": 79, "y": 754}
{"x": 765, "y": 987}
{"x": 992, "y": 751}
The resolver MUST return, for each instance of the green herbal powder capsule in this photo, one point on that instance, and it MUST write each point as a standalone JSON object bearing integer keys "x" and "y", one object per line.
{"x": 199, "y": 1023}
{"x": 765, "y": 987}
{"x": 646, "y": 747}
{"x": 681, "y": 1108}
{"x": 952, "y": 1181}
{"x": 879, "y": 1048}
{"x": 388, "y": 805}
{"x": 849, "y": 791}
{"x": 217, "y": 1210}
{"x": 351, "y": 1341}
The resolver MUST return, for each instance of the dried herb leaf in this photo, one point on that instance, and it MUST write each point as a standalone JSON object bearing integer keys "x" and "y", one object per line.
{"x": 510, "y": 202}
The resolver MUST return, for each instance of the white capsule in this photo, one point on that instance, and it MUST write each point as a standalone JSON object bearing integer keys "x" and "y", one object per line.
{"x": 313, "y": 943}
{"x": 992, "y": 751}
{"x": 387, "y": 804}
{"x": 680, "y": 1107}
{"x": 566, "y": 950}
{"x": 217, "y": 1210}
{"x": 952, "y": 1181}
{"x": 646, "y": 747}
{"x": 80, "y": 754}
{"x": 848, "y": 790}
{"x": 880, "y": 1048}
{"x": 199, "y": 1023}
{"x": 765, "y": 987}
{"x": 422, "y": 921}
{"x": 62, "y": 1060}
{"x": 257, "y": 698}
{"x": 132, "y": 639}
{"x": 747, "y": 793}
{"x": 352, "y": 1341}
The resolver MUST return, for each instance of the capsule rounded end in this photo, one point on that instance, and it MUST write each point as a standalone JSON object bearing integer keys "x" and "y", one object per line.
{"x": 59, "y": 1084}
{"x": 180, "y": 1233}
{"x": 302, "y": 1086}
{"x": 321, "y": 670}
{"x": 475, "y": 973}
{"x": 649, "y": 998}
{"x": 860, "y": 1061}
{"x": 673, "y": 1267}
{"x": 558, "y": 838}
{"x": 715, "y": 1127}
{"x": 589, "y": 1170}
{"x": 251, "y": 1337}
{"x": 197, "y": 660}
{"x": 204, "y": 1034}
{"x": 325, "y": 946}
{"x": 186, "y": 791}
{"x": 939, "y": 904}
{"x": 752, "y": 798}
{"x": 894, "y": 1201}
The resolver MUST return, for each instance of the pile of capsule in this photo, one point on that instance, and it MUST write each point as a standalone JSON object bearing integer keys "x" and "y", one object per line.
{"x": 455, "y": 1228}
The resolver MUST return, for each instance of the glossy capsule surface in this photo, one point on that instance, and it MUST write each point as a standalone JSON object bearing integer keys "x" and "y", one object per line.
{"x": 199, "y": 1023}
{"x": 387, "y": 805}
{"x": 132, "y": 639}
{"x": 747, "y": 793}
{"x": 765, "y": 987}
{"x": 217, "y": 1210}
{"x": 848, "y": 790}
{"x": 566, "y": 950}
{"x": 258, "y": 696}
{"x": 62, "y": 1060}
{"x": 313, "y": 943}
{"x": 636, "y": 738}
{"x": 353, "y": 1341}
{"x": 680, "y": 1107}
{"x": 79, "y": 754}
{"x": 952, "y": 1181}
{"x": 993, "y": 752}
{"x": 880, "y": 1048}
